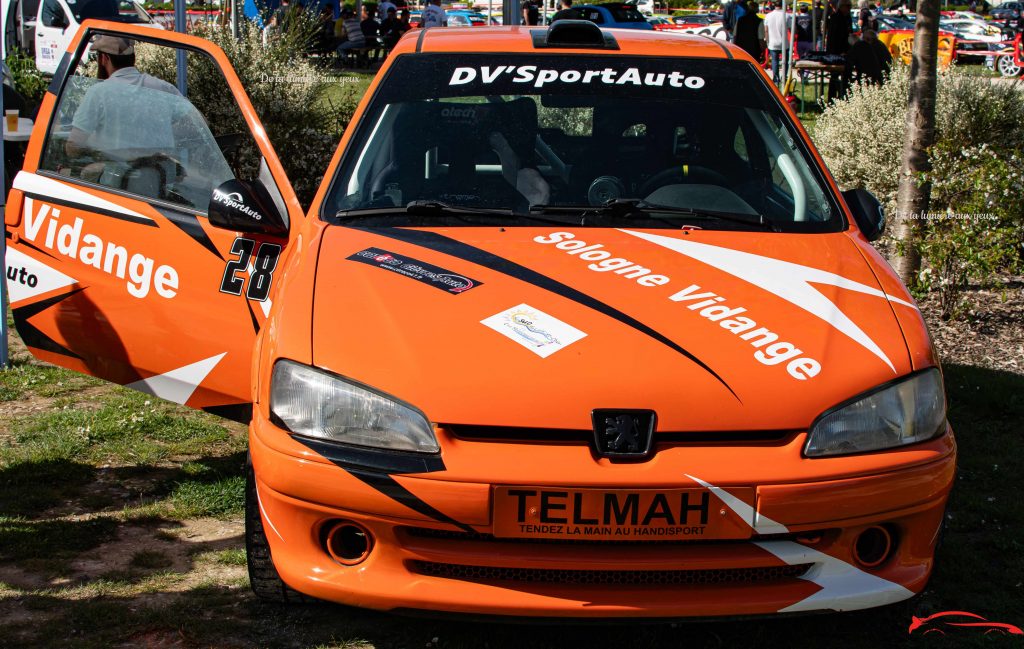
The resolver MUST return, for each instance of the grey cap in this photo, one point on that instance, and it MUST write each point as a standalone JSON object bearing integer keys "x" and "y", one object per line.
{"x": 113, "y": 45}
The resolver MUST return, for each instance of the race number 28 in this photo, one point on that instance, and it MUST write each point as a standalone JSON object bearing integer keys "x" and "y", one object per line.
{"x": 261, "y": 272}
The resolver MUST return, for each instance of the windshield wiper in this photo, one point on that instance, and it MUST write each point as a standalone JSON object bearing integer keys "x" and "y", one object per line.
{"x": 629, "y": 207}
{"x": 461, "y": 212}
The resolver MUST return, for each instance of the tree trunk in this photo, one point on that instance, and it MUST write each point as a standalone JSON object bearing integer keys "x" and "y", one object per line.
{"x": 913, "y": 196}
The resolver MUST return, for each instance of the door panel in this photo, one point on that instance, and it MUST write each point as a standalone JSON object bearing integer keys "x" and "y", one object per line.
{"x": 113, "y": 267}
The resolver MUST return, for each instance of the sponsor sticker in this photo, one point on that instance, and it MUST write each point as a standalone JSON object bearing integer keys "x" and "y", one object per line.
{"x": 535, "y": 330}
{"x": 420, "y": 271}
{"x": 540, "y": 77}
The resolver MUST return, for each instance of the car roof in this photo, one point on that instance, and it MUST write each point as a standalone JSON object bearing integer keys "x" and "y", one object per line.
{"x": 519, "y": 39}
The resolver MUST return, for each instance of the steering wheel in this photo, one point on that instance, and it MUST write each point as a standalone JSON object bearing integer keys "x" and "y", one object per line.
{"x": 153, "y": 162}
{"x": 675, "y": 174}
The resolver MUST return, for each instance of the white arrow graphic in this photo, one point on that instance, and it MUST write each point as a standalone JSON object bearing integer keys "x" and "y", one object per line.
{"x": 791, "y": 282}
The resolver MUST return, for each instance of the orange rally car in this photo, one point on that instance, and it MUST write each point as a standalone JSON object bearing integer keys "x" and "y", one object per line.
{"x": 578, "y": 325}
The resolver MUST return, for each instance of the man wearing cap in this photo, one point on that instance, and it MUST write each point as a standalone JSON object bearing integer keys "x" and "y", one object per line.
{"x": 125, "y": 109}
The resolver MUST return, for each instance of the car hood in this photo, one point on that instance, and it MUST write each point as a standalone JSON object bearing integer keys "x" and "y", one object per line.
{"x": 536, "y": 327}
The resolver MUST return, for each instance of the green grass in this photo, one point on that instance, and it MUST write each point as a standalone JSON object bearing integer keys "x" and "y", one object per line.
{"x": 23, "y": 379}
{"x": 231, "y": 557}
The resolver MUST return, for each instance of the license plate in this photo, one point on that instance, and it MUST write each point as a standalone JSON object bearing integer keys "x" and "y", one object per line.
{"x": 618, "y": 514}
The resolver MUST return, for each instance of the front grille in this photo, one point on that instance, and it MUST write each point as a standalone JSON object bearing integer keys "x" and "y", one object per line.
{"x": 482, "y": 537}
{"x": 586, "y": 437}
{"x": 720, "y": 576}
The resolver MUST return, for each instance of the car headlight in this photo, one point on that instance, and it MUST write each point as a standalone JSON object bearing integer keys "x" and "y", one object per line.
{"x": 313, "y": 403}
{"x": 910, "y": 411}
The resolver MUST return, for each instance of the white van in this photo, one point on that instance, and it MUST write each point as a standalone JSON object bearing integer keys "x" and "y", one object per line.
{"x": 45, "y": 27}
{"x": 646, "y": 7}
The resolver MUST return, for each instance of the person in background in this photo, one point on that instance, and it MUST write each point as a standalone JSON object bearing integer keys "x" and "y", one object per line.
{"x": 369, "y": 26}
{"x": 324, "y": 40}
{"x": 865, "y": 17}
{"x": 433, "y": 15}
{"x": 382, "y": 9}
{"x": 392, "y": 28}
{"x": 349, "y": 33}
{"x": 804, "y": 35}
{"x": 567, "y": 12}
{"x": 730, "y": 15}
{"x": 881, "y": 52}
{"x": 837, "y": 41}
{"x": 818, "y": 23}
{"x": 868, "y": 60}
{"x": 775, "y": 29}
{"x": 531, "y": 13}
{"x": 749, "y": 32}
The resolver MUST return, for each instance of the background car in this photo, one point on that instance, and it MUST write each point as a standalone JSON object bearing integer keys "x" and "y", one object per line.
{"x": 709, "y": 24}
{"x": 973, "y": 36}
{"x": 615, "y": 14}
{"x": 466, "y": 18}
{"x": 1007, "y": 10}
{"x": 660, "y": 23}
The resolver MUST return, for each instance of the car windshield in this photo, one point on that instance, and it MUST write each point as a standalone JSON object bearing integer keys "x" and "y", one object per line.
{"x": 536, "y": 133}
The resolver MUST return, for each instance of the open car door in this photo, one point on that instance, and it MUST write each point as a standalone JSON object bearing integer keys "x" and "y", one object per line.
{"x": 114, "y": 267}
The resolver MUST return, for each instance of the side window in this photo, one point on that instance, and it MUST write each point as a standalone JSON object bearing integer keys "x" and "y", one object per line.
{"x": 53, "y": 14}
{"x": 121, "y": 124}
{"x": 594, "y": 16}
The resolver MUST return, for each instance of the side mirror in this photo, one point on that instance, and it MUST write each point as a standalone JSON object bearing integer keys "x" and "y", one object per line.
{"x": 867, "y": 212}
{"x": 245, "y": 207}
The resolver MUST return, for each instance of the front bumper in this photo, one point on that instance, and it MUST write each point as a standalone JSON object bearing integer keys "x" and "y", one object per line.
{"x": 433, "y": 548}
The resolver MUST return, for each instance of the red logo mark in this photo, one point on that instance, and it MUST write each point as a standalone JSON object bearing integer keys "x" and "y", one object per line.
{"x": 959, "y": 622}
{"x": 383, "y": 258}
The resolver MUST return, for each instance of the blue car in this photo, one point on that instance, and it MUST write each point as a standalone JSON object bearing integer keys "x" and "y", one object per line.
{"x": 615, "y": 14}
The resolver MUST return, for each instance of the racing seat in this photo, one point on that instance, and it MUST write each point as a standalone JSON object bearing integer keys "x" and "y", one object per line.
{"x": 461, "y": 135}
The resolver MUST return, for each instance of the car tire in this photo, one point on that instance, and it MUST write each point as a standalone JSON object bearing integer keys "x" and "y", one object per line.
{"x": 264, "y": 580}
{"x": 1006, "y": 66}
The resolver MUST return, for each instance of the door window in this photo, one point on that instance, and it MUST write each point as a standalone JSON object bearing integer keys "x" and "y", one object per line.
{"x": 53, "y": 14}
{"x": 122, "y": 124}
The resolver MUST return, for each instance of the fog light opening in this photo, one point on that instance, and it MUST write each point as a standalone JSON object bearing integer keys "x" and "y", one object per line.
{"x": 348, "y": 543}
{"x": 873, "y": 546}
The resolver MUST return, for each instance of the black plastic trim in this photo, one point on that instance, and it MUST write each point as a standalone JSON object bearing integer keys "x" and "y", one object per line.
{"x": 59, "y": 75}
{"x": 240, "y": 412}
{"x": 357, "y": 457}
{"x": 542, "y": 37}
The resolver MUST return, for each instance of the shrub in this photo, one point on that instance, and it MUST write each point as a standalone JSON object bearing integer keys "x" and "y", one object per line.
{"x": 976, "y": 221}
{"x": 28, "y": 80}
{"x": 303, "y": 111}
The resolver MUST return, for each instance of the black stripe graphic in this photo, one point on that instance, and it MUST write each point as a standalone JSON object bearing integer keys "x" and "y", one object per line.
{"x": 28, "y": 244}
{"x": 93, "y": 210}
{"x": 448, "y": 246}
{"x": 31, "y": 336}
{"x": 719, "y": 43}
{"x": 390, "y": 488}
{"x": 190, "y": 225}
{"x": 374, "y": 467}
{"x": 252, "y": 316}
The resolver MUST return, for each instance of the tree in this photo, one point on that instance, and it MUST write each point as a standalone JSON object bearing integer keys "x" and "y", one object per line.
{"x": 913, "y": 195}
